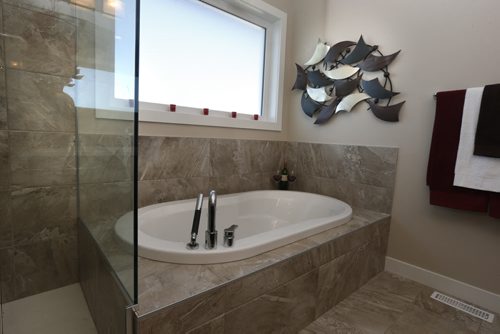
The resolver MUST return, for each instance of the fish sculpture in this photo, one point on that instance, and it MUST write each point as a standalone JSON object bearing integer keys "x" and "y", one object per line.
{"x": 318, "y": 94}
{"x": 336, "y": 50}
{"x": 301, "y": 80}
{"x": 342, "y": 72}
{"x": 350, "y": 101}
{"x": 359, "y": 53}
{"x": 326, "y": 112}
{"x": 388, "y": 113}
{"x": 318, "y": 79}
{"x": 346, "y": 87}
{"x": 376, "y": 90}
{"x": 309, "y": 106}
{"x": 374, "y": 63}
{"x": 319, "y": 54}
{"x": 338, "y": 85}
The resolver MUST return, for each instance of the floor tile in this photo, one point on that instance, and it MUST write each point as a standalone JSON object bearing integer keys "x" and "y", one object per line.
{"x": 490, "y": 328}
{"x": 420, "y": 321}
{"x": 390, "y": 304}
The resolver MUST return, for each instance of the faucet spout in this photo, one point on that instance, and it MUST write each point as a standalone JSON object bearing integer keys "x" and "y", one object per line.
{"x": 212, "y": 204}
{"x": 211, "y": 232}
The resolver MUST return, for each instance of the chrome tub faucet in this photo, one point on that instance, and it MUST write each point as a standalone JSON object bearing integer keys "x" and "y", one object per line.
{"x": 211, "y": 232}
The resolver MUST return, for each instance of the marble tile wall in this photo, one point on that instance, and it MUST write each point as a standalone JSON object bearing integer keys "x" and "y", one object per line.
{"x": 105, "y": 158}
{"x": 362, "y": 176}
{"x": 180, "y": 168}
{"x": 37, "y": 151}
{"x": 3, "y": 98}
{"x": 105, "y": 299}
{"x": 106, "y": 193}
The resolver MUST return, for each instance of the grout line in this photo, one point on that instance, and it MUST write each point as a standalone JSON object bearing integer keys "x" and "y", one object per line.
{"x": 8, "y": 68}
{"x": 41, "y": 131}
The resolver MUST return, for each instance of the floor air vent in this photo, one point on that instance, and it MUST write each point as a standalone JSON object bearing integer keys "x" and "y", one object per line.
{"x": 459, "y": 305}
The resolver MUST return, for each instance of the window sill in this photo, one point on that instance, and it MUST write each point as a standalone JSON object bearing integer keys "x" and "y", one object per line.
{"x": 215, "y": 119}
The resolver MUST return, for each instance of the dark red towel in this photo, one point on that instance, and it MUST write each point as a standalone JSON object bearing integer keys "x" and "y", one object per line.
{"x": 494, "y": 209}
{"x": 487, "y": 140}
{"x": 443, "y": 154}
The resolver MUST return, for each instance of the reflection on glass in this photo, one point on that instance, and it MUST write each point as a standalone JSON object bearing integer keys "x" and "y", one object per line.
{"x": 84, "y": 3}
{"x": 106, "y": 141}
{"x": 113, "y": 7}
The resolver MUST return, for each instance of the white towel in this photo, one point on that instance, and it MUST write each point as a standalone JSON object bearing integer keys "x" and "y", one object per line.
{"x": 472, "y": 171}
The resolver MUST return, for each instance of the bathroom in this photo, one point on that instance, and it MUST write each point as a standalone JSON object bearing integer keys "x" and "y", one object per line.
{"x": 68, "y": 172}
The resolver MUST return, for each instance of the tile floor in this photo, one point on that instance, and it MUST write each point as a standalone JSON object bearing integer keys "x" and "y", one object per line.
{"x": 59, "y": 311}
{"x": 391, "y": 304}
{"x": 387, "y": 304}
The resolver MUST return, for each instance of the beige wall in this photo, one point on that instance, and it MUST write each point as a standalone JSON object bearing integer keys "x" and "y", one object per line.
{"x": 445, "y": 45}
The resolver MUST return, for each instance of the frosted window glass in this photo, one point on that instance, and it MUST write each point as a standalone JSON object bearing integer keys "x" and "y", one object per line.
{"x": 195, "y": 55}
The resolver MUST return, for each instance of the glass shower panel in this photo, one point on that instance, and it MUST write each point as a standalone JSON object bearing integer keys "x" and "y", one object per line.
{"x": 104, "y": 94}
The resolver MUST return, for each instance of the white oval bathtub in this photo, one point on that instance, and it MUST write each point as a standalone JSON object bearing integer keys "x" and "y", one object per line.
{"x": 266, "y": 220}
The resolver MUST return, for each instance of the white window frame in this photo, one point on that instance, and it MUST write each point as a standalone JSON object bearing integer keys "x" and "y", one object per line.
{"x": 274, "y": 21}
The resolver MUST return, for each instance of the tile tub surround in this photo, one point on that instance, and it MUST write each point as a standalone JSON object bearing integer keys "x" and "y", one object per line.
{"x": 105, "y": 298}
{"x": 391, "y": 304}
{"x": 37, "y": 152}
{"x": 295, "y": 283}
{"x": 362, "y": 176}
{"x": 172, "y": 168}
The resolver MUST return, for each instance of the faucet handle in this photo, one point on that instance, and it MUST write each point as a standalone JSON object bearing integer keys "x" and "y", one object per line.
{"x": 230, "y": 230}
{"x": 229, "y": 235}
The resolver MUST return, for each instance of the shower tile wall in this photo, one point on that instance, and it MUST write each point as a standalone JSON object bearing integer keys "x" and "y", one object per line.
{"x": 180, "y": 168}
{"x": 37, "y": 152}
{"x": 105, "y": 180}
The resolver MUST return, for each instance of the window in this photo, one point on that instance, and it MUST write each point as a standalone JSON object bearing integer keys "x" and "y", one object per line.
{"x": 223, "y": 55}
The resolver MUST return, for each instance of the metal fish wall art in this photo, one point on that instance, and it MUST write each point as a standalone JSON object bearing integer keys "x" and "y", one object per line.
{"x": 332, "y": 81}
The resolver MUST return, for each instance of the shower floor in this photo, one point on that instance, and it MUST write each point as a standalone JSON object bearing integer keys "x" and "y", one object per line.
{"x": 59, "y": 311}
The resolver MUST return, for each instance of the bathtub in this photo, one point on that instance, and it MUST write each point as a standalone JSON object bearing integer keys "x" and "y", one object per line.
{"x": 266, "y": 220}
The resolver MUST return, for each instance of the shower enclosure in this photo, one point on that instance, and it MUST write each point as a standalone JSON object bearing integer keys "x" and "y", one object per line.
{"x": 105, "y": 97}
{"x": 68, "y": 139}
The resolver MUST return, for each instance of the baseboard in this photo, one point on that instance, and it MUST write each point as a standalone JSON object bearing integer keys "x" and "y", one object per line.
{"x": 458, "y": 289}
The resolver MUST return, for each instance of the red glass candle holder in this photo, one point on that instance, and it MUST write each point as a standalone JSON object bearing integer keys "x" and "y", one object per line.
{"x": 173, "y": 107}
{"x": 205, "y": 111}
{"x": 255, "y": 117}
{"x": 233, "y": 114}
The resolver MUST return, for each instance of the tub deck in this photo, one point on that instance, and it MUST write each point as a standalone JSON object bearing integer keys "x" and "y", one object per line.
{"x": 179, "y": 298}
